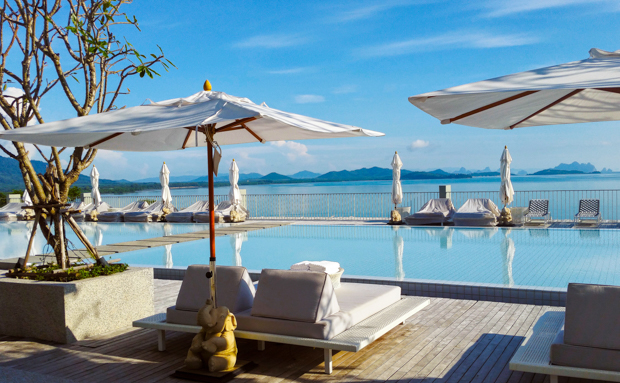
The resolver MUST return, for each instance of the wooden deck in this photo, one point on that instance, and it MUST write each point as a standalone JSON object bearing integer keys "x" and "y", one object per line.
{"x": 449, "y": 341}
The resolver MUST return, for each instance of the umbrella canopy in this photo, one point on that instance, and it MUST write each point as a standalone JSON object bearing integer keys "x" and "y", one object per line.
{"x": 579, "y": 91}
{"x": 26, "y": 198}
{"x": 181, "y": 123}
{"x": 164, "y": 179}
{"x": 397, "y": 189}
{"x": 234, "y": 195}
{"x": 506, "y": 192}
{"x": 94, "y": 183}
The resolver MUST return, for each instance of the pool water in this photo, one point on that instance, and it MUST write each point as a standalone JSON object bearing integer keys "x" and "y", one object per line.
{"x": 14, "y": 236}
{"x": 509, "y": 257}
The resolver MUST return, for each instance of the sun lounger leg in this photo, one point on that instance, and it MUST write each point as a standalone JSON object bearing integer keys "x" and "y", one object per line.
{"x": 261, "y": 345}
{"x": 553, "y": 379}
{"x": 161, "y": 340}
{"x": 329, "y": 368}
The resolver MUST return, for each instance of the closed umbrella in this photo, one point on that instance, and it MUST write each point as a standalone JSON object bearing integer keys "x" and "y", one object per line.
{"x": 579, "y": 91}
{"x": 204, "y": 119}
{"x": 164, "y": 179}
{"x": 94, "y": 183}
{"x": 397, "y": 189}
{"x": 234, "y": 195}
{"x": 506, "y": 192}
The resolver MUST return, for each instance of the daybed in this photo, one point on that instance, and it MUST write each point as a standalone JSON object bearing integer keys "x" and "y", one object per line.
{"x": 11, "y": 211}
{"x": 152, "y": 213}
{"x": 583, "y": 342}
{"x": 476, "y": 212}
{"x": 435, "y": 211}
{"x": 222, "y": 210}
{"x": 292, "y": 307}
{"x": 187, "y": 214}
{"x": 87, "y": 210}
{"x": 118, "y": 215}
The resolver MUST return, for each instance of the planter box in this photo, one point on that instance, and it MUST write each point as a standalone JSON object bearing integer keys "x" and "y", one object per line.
{"x": 66, "y": 312}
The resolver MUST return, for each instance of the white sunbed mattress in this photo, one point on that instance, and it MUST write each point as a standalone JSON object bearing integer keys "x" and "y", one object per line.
{"x": 187, "y": 214}
{"x": 119, "y": 215}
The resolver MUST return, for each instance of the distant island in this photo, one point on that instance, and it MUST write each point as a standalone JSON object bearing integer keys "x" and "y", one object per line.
{"x": 573, "y": 168}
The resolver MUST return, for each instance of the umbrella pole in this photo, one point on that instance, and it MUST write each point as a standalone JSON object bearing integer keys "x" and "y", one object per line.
{"x": 211, "y": 225}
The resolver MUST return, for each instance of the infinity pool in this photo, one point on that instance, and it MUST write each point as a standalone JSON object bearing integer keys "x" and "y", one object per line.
{"x": 517, "y": 257}
{"x": 14, "y": 236}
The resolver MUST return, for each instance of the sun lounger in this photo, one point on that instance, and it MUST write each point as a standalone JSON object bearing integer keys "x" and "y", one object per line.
{"x": 302, "y": 308}
{"x": 222, "y": 210}
{"x": 151, "y": 213}
{"x": 476, "y": 212}
{"x": 538, "y": 210}
{"x": 11, "y": 211}
{"x": 589, "y": 211}
{"x": 582, "y": 342}
{"x": 87, "y": 210}
{"x": 187, "y": 214}
{"x": 435, "y": 211}
{"x": 118, "y": 215}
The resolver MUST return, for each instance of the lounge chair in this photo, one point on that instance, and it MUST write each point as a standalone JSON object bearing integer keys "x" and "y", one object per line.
{"x": 187, "y": 214}
{"x": 151, "y": 213}
{"x": 435, "y": 211}
{"x": 589, "y": 210}
{"x": 12, "y": 211}
{"x": 299, "y": 308}
{"x": 222, "y": 211}
{"x": 582, "y": 342}
{"x": 476, "y": 212}
{"x": 118, "y": 215}
{"x": 87, "y": 210}
{"x": 538, "y": 210}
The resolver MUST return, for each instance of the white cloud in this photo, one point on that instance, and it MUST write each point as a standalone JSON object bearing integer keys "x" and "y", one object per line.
{"x": 345, "y": 89}
{"x": 291, "y": 70}
{"x": 366, "y": 12}
{"x": 499, "y": 8}
{"x": 115, "y": 158}
{"x": 455, "y": 40}
{"x": 309, "y": 99}
{"x": 272, "y": 41}
{"x": 292, "y": 150}
{"x": 418, "y": 144}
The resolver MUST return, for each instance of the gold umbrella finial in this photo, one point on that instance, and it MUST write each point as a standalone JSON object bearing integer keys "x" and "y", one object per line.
{"x": 207, "y": 86}
{"x": 396, "y": 152}
{"x": 505, "y": 146}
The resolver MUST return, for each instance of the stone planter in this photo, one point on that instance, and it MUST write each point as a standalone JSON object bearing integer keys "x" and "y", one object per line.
{"x": 66, "y": 312}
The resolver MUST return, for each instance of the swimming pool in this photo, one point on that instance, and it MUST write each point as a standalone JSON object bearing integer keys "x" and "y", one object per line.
{"x": 508, "y": 257}
{"x": 14, "y": 236}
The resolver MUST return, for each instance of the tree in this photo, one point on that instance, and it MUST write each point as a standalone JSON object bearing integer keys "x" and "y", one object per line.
{"x": 68, "y": 47}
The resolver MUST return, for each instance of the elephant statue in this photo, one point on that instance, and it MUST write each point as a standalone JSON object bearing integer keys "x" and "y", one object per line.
{"x": 214, "y": 346}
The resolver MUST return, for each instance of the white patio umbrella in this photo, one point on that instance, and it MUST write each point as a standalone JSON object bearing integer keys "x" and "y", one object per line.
{"x": 236, "y": 240}
{"x": 398, "y": 245}
{"x": 234, "y": 195}
{"x": 579, "y": 91}
{"x": 397, "y": 189}
{"x": 506, "y": 192}
{"x": 164, "y": 179}
{"x": 94, "y": 183}
{"x": 206, "y": 119}
{"x": 26, "y": 198}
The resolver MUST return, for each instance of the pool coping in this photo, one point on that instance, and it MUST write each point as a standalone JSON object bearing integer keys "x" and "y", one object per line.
{"x": 532, "y": 295}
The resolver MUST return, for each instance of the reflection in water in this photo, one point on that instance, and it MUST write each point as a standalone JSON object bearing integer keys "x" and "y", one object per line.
{"x": 236, "y": 240}
{"x": 479, "y": 232}
{"x": 168, "y": 248}
{"x": 444, "y": 234}
{"x": 398, "y": 245}
{"x": 508, "y": 253}
{"x": 589, "y": 233}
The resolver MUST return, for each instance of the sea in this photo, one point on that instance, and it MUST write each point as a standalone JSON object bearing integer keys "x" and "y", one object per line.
{"x": 608, "y": 181}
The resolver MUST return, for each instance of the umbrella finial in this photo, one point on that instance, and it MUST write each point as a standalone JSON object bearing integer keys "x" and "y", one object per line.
{"x": 505, "y": 146}
{"x": 207, "y": 86}
{"x": 396, "y": 152}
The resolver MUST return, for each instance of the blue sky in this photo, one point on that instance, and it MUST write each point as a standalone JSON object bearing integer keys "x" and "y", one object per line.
{"x": 356, "y": 63}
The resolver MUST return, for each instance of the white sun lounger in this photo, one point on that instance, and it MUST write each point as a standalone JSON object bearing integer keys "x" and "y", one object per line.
{"x": 222, "y": 210}
{"x": 582, "y": 341}
{"x": 11, "y": 211}
{"x": 435, "y": 211}
{"x": 350, "y": 325}
{"x": 118, "y": 215}
{"x": 149, "y": 214}
{"x": 476, "y": 212}
{"x": 85, "y": 215}
{"x": 187, "y": 214}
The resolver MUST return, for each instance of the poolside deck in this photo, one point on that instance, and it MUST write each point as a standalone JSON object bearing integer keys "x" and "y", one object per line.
{"x": 449, "y": 341}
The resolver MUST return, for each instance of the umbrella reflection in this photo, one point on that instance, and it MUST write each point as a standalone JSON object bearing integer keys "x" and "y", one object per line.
{"x": 399, "y": 247}
{"x": 168, "y": 248}
{"x": 236, "y": 240}
{"x": 444, "y": 234}
{"x": 508, "y": 255}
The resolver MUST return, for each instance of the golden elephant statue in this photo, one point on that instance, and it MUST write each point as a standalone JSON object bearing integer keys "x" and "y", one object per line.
{"x": 214, "y": 346}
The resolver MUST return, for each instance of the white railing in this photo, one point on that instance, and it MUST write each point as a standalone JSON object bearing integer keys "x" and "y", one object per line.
{"x": 563, "y": 204}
